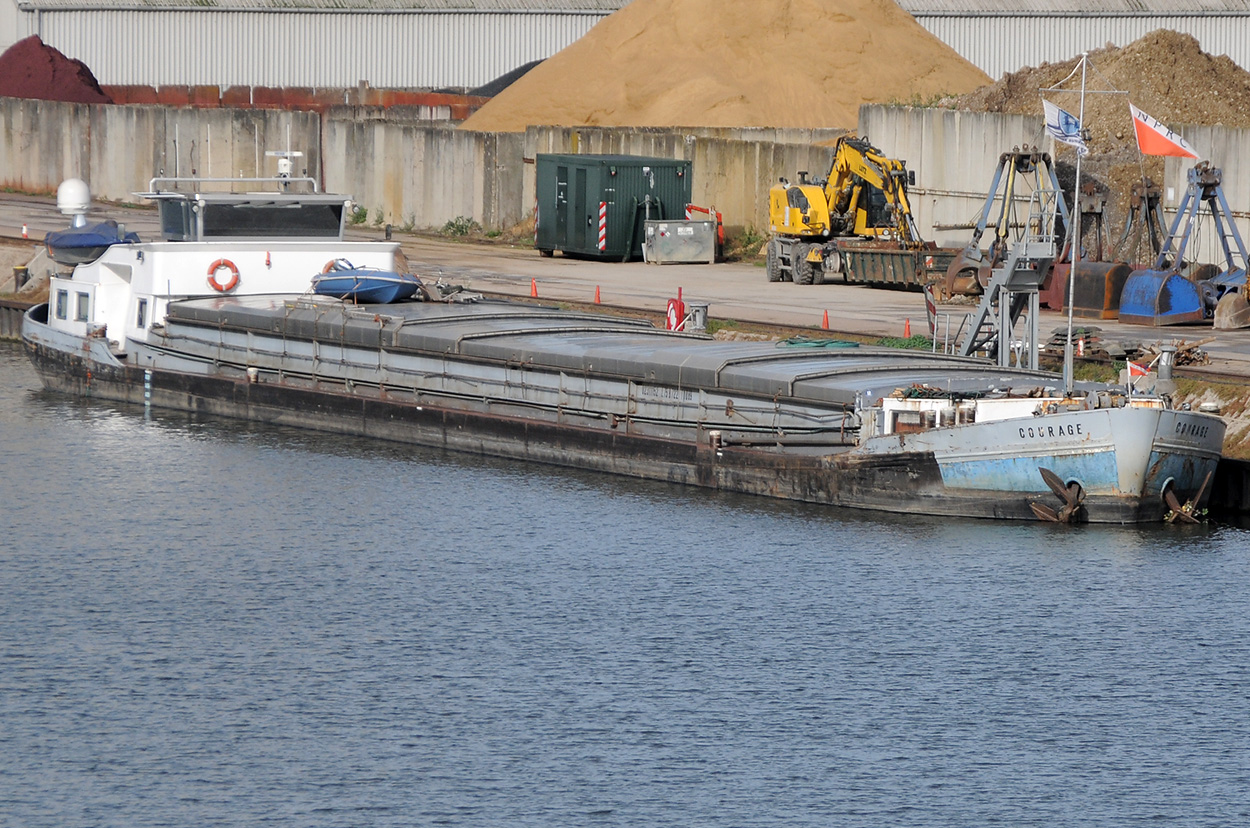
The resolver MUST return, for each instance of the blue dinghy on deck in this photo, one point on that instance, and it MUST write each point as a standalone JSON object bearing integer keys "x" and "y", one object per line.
{"x": 365, "y": 286}
{"x": 82, "y": 245}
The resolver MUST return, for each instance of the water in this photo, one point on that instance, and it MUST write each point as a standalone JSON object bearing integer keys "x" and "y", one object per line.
{"x": 207, "y": 623}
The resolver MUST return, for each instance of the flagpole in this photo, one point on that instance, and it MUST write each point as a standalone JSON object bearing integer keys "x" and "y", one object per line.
{"x": 1069, "y": 368}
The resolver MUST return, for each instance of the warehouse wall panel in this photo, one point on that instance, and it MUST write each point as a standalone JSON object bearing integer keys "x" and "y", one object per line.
{"x": 265, "y": 48}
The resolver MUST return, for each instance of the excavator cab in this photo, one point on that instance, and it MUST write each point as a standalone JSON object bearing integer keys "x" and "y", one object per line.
{"x": 798, "y": 209}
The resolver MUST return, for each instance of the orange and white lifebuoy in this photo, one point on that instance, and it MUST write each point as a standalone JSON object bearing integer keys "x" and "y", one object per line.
{"x": 336, "y": 264}
{"x": 214, "y": 279}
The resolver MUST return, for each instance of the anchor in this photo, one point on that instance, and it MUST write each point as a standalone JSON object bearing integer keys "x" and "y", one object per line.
{"x": 1072, "y": 495}
{"x": 1177, "y": 512}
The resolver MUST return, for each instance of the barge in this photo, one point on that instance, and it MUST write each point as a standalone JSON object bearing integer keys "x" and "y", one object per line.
{"x": 218, "y": 317}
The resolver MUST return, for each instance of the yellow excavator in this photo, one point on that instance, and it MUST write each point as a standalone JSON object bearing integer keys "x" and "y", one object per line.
{"x": 863, "y": 198}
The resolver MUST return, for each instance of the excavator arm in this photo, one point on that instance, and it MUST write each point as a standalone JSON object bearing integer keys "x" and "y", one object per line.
{"x": 867, "y": 192}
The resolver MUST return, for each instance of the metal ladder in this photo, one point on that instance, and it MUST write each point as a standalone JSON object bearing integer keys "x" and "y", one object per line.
{"x": 1013, "y": 289}
{"x": 1011, "y": 293}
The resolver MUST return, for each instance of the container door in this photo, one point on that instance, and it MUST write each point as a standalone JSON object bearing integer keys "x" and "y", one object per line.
{"x": 562, "y": 208}
{"x": 577, "y": 240}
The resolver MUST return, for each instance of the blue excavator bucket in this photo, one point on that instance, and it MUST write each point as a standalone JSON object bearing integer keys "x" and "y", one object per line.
{"x": 1161, "y": 297}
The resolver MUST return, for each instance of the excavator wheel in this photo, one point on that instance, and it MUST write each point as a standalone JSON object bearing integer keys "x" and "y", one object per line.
{"x": 773, "y": 265}
{"x": 818, "y": 272}
{"x": 800, "y": 266}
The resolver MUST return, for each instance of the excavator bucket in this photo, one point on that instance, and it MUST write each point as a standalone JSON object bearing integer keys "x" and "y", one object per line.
{"x": 1095, "y": 290}
{"x": 1232, "y": 312}
{"x": 963, "y": 275}
{"x": 1160, "y": 297}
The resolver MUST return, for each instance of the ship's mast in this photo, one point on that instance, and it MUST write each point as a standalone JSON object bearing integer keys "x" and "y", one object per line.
{"x": 1068, "y": 367}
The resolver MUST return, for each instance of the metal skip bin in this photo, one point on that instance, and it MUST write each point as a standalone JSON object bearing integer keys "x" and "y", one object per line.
{"x": 680, "y": 242}
{"x": 595, "y": 206}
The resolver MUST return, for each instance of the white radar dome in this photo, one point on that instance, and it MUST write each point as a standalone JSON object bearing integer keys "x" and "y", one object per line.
{"x": 73, "y": 197}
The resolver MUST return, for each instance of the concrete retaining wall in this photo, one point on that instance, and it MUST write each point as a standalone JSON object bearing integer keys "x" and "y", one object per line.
{"x": 118, "y": 149}
{"x": 733, "y": 168}
{"x": 955, "y": 154}
{"x": 421, "y": 175}
{"x": 409, "y": 172}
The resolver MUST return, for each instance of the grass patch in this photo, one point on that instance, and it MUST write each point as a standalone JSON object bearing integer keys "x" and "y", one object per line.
{"x": 744, "y": 246}
{"x": 461, "y": 226}
{"x": 916, "y": 342}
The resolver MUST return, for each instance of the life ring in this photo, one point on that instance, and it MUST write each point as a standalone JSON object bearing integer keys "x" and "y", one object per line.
{"x": 676, "y": 315}
{"x": 336, "y": 264}
{"x": 215, "y": 283}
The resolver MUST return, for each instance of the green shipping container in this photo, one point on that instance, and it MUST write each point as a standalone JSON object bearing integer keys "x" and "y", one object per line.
{"x": 596, "y": 205}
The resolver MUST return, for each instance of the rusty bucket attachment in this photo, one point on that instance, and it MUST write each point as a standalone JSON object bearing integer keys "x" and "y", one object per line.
{"x": 1096, "y": 289}
{"x": 1190, "y": 510}
{"x": 1232, "y": 311}
{"x": 1071, "y": 494}
{"x": 1161, "y": 297}
{"x": 963, "y": 275}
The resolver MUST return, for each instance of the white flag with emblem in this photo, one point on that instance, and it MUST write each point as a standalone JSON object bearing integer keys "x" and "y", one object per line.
{"x": 1065, "y": 127}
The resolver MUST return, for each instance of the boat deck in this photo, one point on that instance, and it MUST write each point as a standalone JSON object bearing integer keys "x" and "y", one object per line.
{"x": 587, "y": 344}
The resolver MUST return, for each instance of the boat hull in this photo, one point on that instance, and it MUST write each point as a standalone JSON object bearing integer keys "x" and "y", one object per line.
{"x": 914, "y": 477}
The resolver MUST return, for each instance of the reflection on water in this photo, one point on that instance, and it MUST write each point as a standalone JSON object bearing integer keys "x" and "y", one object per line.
{"x": 207, "y": 622}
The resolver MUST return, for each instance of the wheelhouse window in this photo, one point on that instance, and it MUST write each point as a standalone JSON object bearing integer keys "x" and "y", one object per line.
{"x": 141, "y": 314}
{"x": 62, "y": 304}
{"x": 292, "y": 219}
{"x": 83, "y": 308}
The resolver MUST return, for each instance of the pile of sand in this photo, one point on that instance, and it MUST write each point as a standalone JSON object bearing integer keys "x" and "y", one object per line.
{"x": 781, "y": 63}
{"x": 32, "y": 69}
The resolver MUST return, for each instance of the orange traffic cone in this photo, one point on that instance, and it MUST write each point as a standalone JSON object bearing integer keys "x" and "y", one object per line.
{"x": 906, "y": 329}
{"x": 534, "y": 288}
{"x": 824, "y": 322}
{"x": 596, "y": 294}
{"x": 25, "y": 235}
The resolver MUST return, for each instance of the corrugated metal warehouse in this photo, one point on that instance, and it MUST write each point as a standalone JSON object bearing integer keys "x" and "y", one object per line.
{"x": 466, "y": 43}
{"x": 396, "y": 44}
{"x": 1005, "y": 35}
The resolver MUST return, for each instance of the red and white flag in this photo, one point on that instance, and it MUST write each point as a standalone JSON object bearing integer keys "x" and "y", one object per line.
{"x": 1135, "y": 370}
{"x": 1153, "y": 138}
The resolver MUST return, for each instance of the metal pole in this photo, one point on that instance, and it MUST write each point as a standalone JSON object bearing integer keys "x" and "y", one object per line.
{"x": 1068, "y": 367}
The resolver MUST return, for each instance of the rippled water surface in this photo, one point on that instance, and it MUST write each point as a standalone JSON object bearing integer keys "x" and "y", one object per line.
{"x": 209, "y": 623}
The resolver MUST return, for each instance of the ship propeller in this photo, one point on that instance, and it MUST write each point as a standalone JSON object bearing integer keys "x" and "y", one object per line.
{"x": 1072, "y": 495}
{"x": 1183, "y": 513}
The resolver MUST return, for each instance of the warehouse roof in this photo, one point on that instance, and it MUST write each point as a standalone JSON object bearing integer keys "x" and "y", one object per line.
{"x": 1088, "y": 8}
{"x": 475, "y": 6}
